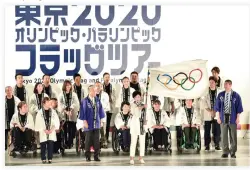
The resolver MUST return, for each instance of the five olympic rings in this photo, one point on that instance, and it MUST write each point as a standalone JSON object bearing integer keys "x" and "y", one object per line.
{"x": 183, "y": 81}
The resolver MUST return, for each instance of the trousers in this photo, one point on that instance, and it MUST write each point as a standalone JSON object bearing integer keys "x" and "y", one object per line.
{"x": 134, "y": 142}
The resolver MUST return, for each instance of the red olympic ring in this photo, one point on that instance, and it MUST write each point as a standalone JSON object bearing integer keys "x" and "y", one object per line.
{"x": 191, "y": 73}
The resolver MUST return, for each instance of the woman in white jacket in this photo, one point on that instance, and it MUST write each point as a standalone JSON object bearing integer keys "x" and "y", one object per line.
{"x": 125, "y": 93}
{"x": 47, "y": 122}
{"x": 159, "y": 125}
{"x": 190, "y": 121}
{"x": 22, "y": 125}
{"x": 35, "y": 104}
{"x": 122, "y": 124}
{"x": 137, "y": 127}
{"x": 36, "y": 100}
{"x": 68, "y": 107}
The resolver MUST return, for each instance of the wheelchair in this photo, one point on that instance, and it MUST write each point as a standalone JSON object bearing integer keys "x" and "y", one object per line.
{"x": 181, "y": 145}
{"x": 24, "y": 147}
{"x": 116, "y": 141}
{"x": 150, "y": 143}
{"x": 80, "y": 141}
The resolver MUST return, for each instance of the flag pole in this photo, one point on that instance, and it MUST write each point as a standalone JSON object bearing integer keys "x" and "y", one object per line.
{"x": 144, "y": 116}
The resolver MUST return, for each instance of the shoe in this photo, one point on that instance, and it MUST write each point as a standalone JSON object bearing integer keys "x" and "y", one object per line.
{"x": 88, "y": 159}
{"x": 159, "y": 147}
{"x": 44, "y": 161}
{"x": 233, "y": 155}
{"x": 163, "y": 146}
{"x": 97, "y": 159}
{"x": 207, "y": 148}
{"x": 50, "y": 161}
{"x": 142, "y": 161}
{"x": 132, "y": 162}
{"x": 217, "y": 148}
{"x": 224, "y": 155}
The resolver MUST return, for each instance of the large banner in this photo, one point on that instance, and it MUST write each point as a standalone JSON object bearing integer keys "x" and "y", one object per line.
{"x": 90, "y": 40}
{"x": 185, "y": 80}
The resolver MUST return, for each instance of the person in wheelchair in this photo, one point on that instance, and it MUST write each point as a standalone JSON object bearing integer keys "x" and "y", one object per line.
{"x": 190, "y": 120}
{"x": 122, "y": 124}
{"x": 159, "y": 125}
{"x": 22, "y": 126}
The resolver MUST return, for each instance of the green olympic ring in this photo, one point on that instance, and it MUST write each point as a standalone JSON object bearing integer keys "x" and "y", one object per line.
{"x": 185, "y": 81}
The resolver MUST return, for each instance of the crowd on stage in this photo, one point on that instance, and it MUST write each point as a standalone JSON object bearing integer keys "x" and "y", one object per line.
{"x": 83, "y": 117}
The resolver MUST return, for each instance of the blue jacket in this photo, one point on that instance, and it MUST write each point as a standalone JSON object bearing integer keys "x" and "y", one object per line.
{"x": 87, "y": 113}
{"x": 236, "y": 106}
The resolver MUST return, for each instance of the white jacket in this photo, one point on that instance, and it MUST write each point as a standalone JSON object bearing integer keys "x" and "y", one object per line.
{"x": 17, "y": 101}
{"x": 135, "y": 122}
{"x": 206, "y": 103}
{"x": 105, "y": 103}
{"x": 83, "y": 92}
{"x": 195, "y": 120}
{"x": 40, "y": 126}
{"x": 75, "y": 105}
{"x": 29, "y": 124}
{"x": 53, "y": 93}
{"x": 26, "y": 91}
{"x": 120, "y": 97}
{"x": 119, "y": 121}
{"x": 166, "y": 105}
{"x": 177, "y": 115}
{"x": 113, "y": 98}
{"x": 164, "y": 120}
{"x": 33, "y": 107}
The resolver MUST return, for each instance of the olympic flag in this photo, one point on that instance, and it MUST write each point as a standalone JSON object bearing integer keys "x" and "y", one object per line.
{"x": 185, "y": 80}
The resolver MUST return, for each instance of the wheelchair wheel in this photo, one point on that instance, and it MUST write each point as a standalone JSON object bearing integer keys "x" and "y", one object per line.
{"x": 63, "y": 151}
{"x": 13, "y": 154}
{"x": 115, "y": 141}
{"x": 198, "y": 140}
{"x": 169, "y": 144}
{"x": 34, "y": 153}
{"x": 146, "y": 144}
{"x": 180, "y": 143}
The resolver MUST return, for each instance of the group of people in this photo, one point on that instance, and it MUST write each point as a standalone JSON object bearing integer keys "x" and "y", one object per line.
{"x": 99, "y": 107}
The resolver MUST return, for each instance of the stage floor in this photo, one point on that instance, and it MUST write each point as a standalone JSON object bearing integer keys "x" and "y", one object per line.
{"x": 108, "y": 158}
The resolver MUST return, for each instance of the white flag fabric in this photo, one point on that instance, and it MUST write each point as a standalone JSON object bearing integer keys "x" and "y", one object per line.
{"x": 185, "y": 80}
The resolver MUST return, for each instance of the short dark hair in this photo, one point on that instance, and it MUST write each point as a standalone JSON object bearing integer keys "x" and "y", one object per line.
{"x": 35, "y": 88}
{"x": 134, "y": 72}
{"x": 20, "y": 105}
{"x": 18, "y": 74}
{"x": 105, "y": 74}
{"x": 45, "y": 99}
{"x": 125, "y": 78}
{"x": 135, "y": 93}
{"x": 124, "y": 103}
{"x": 76, "y": 75}
{"x": 53, "y": 99}
{"x": 45, "y": 75}
{"x": 65, "y": 84}
{"x": 229, "y": 81}
{"x": 216, "y": 69}
{"x": 212, "y": 78}
{"x": 157, "y": 102}
{"x": 190, "y": 99}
